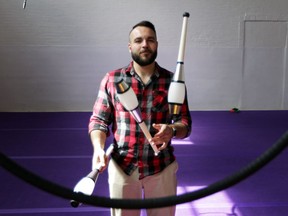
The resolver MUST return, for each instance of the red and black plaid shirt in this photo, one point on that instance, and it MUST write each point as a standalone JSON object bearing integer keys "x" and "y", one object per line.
{"x": 131, "y": 149}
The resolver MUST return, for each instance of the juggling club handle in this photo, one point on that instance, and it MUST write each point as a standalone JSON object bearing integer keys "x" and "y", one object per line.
{"x": 148, "y": 136}
{"x": 91, "y": 177}
{"x": 176, "y": 93}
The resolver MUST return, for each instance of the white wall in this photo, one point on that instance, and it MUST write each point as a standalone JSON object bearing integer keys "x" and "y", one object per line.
{"x": 54, "y": 53}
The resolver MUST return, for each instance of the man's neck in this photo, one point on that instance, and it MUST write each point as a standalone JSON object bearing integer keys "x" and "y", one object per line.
{"x": 144, "y": 72}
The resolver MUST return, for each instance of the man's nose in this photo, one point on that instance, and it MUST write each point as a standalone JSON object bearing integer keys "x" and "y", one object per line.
{"x": 144, "y": 43}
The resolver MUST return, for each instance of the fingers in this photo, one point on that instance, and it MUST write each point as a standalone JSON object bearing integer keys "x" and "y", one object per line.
{"x": 102, "y": 160}
{"x": 99, "y": 160}
{"x": 102, "y": 168}
{"x": 159, "y": 127}
{"x": 164, "y": 131}
{"x": 163, "y": 146}
{"x": 162, "y": 137}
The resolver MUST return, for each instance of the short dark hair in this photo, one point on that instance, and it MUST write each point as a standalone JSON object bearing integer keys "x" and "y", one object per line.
{"x": 144, "y": 23}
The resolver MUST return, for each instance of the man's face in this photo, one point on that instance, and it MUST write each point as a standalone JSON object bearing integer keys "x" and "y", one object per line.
{"x": 143, "y": 45}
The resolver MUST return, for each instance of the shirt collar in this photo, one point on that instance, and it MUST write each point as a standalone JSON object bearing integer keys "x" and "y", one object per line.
{"x": 130, "y": 70}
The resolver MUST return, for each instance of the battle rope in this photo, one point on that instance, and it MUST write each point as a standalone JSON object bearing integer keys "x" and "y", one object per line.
{"x": 66, "y": 193}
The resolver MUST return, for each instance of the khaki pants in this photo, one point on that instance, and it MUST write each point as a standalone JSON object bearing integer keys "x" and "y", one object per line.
{"x": 130, "y": 187}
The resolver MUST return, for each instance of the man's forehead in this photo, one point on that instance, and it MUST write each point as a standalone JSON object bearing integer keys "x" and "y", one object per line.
{"x": 141, "y": 31}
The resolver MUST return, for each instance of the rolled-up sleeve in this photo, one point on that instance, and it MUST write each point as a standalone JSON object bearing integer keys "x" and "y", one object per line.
{"x": 102, "y": 109}
{"x": 185, "y": 116}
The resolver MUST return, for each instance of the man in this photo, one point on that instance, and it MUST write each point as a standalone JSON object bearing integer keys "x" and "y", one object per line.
{"x": 134, "y": 171}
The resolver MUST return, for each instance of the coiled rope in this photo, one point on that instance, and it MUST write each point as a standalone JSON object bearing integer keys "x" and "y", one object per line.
{"x": 67, "y": 193}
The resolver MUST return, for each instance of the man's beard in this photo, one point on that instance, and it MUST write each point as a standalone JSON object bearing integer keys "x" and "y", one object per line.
{"x": 144, "y": 62}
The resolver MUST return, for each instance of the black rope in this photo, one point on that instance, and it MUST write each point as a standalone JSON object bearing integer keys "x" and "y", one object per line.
{"x": 66, "y": 193}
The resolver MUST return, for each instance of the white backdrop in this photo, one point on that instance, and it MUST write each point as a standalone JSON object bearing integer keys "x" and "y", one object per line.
{"x": 54, "y": 53}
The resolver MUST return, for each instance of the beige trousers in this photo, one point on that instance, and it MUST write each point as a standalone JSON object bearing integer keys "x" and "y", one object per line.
{"x": 130, "y": 187}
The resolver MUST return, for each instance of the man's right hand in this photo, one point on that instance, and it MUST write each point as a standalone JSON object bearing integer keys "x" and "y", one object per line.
{"x": 99, "y": 160}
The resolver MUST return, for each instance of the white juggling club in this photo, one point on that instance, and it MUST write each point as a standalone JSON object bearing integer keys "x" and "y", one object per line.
{"x": 87, "y": 184}
{"x": 24, "y": 4}
{"x": 176, "y": 93}
{"x": 129, "y": 100}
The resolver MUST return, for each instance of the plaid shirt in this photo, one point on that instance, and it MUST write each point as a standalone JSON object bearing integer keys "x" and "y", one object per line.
{"x": 131, "y": 148}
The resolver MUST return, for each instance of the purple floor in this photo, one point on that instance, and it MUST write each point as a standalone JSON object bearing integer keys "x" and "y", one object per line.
{"x": 57, "y": 147}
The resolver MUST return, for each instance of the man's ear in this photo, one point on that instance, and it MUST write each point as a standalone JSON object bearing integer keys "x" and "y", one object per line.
{"x": 129, "y": 47}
